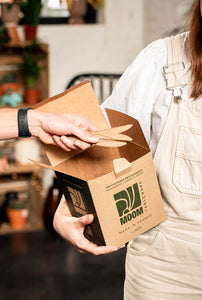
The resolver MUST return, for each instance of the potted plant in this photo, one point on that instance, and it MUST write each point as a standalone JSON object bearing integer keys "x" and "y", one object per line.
{"x": 10, "y": 16}
{"x": 9, "y": 87}
{"x": 17, "y": 211}
{"x": 4, "y": 36}
{"x": 30, "y": 71}
{"x": 9, "y": 81}
{"x": 31, "y": 11}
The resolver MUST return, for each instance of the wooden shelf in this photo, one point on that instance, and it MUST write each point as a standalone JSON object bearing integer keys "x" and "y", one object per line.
{"x": 14, "y": 186}
{"x": 23, "y": 178}
{"x": 5, "y": 228}
{"x": 19, "y": 169}
{"x": 11, "y": 58}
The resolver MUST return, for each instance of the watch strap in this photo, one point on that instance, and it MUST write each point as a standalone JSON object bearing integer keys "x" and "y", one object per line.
{"x": 23, "y": 129}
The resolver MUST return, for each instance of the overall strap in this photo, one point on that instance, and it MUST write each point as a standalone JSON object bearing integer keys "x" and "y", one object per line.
{"x": 175, "y": 69}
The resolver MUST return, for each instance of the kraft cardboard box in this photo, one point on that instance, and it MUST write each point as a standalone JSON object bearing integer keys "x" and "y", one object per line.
{"x": 116, "y": 184}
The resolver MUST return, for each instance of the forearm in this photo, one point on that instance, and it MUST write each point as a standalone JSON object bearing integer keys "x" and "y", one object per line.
{"x": 8, "y": 123}
{"x": 50, "y": 128}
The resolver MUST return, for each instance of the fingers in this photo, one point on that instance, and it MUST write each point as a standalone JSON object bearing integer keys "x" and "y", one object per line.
{"x": 85, "y": 246}
{"x": 72, "y": 230}
{"x": 89, "y": 127}
{"x": 62, "y": 127}
{"x": 68, "y": 144}
{"x": 85, "y": 220}
{"x": 63, "y": 142}
{"x": 81, "y": 128}
{"x": 81, "y": 145}
{"x": 83, "y": 135}
{"x": 75, "y": 144}
{"x": 82, "y": 122}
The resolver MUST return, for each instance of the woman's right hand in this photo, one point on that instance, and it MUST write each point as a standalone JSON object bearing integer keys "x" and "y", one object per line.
{"x": 71, "y": 229}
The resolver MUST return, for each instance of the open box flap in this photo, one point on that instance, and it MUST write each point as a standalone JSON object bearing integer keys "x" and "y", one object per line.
{"x": 117, "y": 118}
{"x": 42, "y": 165}
{"x": 88, "y": 165}
{"x": 81, "y": 100}
{"x": 95, "y": 161}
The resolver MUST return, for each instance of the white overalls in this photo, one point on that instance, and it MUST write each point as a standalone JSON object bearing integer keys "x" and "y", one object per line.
{"x": 166, "y": 262}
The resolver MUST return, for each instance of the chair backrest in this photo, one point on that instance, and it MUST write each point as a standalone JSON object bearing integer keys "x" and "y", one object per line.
{"x": 102, "y": 84}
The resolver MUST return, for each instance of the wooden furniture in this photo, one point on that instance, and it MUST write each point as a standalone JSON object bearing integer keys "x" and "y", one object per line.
{"x": 102, "y": 83}
{"x": 26, "y": 180}
{"x": 10, "y": 60}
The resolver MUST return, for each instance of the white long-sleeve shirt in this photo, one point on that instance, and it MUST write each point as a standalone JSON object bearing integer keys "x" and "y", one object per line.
{"x": 141, "y": 91}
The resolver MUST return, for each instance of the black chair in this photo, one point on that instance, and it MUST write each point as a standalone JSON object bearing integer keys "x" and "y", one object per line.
{"x": 102, "y": 83}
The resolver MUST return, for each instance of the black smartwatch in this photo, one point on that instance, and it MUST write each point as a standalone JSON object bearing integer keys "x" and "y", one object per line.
{"x": 23, "y": 129}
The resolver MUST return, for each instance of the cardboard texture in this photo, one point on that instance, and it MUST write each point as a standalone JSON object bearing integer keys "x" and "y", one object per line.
{"x": 118, "y": 185}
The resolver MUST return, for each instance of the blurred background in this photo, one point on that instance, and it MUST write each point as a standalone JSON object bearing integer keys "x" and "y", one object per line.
{"x": 47, "y": 46}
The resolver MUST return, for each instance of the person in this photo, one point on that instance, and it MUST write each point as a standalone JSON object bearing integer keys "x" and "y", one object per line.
{"x": 49, "y": 128}
{"x": 162, "y": 89}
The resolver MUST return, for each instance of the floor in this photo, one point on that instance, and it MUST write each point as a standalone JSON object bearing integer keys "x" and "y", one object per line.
{"x": 37, "y": 266}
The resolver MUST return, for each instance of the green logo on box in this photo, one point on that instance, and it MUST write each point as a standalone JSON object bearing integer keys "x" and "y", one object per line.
{"x": 128, "y": 203}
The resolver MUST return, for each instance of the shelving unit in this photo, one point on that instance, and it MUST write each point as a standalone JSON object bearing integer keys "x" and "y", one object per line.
{"x": 11, "y": 58}
{"x": 27, "y": 180}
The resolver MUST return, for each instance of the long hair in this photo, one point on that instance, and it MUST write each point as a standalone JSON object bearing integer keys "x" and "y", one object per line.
{"x": 196, "y": 51}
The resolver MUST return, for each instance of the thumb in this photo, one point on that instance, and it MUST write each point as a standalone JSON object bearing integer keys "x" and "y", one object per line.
{"x": 85, "y": 220}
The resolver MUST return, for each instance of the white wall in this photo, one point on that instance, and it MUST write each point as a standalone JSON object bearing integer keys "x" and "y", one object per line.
{"x": 107, "y": 47}
{"x": 162, "y": 16}
{"x": 110, "y": 46}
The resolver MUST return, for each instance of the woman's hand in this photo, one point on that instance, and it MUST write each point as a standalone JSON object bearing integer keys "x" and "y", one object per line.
{"x": 52, "y": 128}
{"x": 72, "y": 230}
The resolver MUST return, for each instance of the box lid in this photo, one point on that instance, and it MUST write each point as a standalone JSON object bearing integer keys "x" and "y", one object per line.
{"x": 95, "y": 161}
{"x": 79, "y": 99}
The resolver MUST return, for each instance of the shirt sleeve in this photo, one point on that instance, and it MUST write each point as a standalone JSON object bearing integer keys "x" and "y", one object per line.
{"x": 140, "y": 85}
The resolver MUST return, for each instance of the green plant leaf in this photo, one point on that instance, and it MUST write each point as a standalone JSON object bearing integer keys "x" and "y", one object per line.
{"x": 31, "y": 10}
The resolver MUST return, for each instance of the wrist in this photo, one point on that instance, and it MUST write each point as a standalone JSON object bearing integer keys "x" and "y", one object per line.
{"x": 34, "y": 122}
